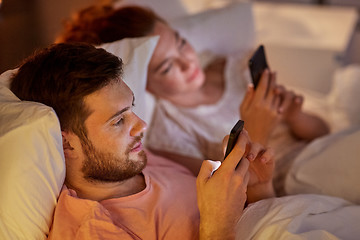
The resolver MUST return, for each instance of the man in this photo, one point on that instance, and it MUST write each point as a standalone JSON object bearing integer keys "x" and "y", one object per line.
{"x": 113, "y": 187}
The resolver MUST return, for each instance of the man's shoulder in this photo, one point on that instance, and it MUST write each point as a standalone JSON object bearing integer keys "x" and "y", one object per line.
{"x": 72, "y": 213}
{"x": 155, "y": 161}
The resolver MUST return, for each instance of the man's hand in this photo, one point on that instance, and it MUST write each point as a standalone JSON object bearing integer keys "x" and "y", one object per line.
{"x": 261, "y": 171}
{"x": 262, "y": 168}
{"x": 222, "y": 194}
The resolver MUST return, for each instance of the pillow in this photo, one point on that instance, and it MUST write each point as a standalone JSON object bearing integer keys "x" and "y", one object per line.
{"x": 136, "y": 54}
{"x": 329, "y": 165}
{"x": 32, "y": 166}
{"x": 213, "y": 29}
{"x": 344, "y": 96}
{"x": 222, "y": 31}
{"x": 165, "y": 8}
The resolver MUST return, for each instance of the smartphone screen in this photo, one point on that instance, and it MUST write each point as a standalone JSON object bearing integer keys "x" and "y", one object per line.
{"x": 257, "y": 65}
{"x": 234, "y": 134}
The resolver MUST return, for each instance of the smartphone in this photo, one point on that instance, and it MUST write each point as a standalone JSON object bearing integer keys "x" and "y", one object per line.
{"x": 234, "y": 134}
{"x": 257, "y": 65}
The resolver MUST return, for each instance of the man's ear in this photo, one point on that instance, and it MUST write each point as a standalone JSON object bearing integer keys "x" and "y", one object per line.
{"x": 67, "y": 139}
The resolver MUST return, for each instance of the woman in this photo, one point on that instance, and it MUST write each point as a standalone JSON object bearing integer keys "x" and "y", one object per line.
{"x": 196, "y": 106}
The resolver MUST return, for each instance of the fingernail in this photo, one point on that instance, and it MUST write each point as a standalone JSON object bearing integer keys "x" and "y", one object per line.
{"x": 263, "y": 160}
{"x": 250, "y": 156}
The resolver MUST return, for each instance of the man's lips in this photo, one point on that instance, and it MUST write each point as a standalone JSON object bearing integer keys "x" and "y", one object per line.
{"x": 137, "y": 147}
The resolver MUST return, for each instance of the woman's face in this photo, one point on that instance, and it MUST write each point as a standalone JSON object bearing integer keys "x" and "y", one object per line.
{"x": 174, "y": 68}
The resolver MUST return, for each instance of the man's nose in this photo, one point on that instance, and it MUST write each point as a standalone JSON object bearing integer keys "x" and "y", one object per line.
{"x": 139, "y": 127}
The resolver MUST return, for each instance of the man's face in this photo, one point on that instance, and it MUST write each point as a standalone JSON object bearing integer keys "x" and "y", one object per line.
{"x": 113, "y": 151}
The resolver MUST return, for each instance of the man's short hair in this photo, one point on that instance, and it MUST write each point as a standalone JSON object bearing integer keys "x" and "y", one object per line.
{"x": 61, "y": 75}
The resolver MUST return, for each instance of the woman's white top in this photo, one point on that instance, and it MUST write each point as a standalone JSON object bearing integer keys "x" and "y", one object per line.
{"x": 199, "y": 131}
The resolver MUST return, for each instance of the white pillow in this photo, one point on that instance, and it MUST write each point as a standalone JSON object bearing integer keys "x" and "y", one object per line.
{"x": 32, "y": 166}
{"x": 136, "y": 54}
{"x": 329, "y": 165}
{"x": 344, "y": 96}
{"x": 165, "y": 8}
{"x": 223, "y": 31}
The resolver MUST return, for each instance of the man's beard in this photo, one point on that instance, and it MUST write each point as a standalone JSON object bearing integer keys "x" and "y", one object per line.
{"x": 106, "y": 167}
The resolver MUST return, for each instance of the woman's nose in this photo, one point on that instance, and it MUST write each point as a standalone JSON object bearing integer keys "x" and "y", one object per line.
{"x": 184, "y": 63}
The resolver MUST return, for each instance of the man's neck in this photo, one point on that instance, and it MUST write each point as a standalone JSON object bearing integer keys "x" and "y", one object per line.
{"x": 99, "y": 191}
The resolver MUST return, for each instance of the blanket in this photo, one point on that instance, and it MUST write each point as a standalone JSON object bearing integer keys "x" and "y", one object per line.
{"x": 295, "y": 217}
{"x": 330, "y": 166}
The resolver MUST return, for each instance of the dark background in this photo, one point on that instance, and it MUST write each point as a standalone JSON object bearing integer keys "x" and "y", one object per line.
{"x": 28, "y": 24}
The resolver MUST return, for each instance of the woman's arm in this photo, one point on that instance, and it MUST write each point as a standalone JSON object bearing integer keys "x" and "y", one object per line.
{"x": 303, "y": 125}
{"x": 308, "y": 127}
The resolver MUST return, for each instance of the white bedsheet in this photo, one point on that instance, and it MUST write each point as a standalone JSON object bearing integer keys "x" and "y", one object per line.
{"x": 300, "y": 217}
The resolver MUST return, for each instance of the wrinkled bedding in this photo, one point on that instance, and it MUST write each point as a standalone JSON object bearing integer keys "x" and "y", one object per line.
{"x": 308, "y": 167}
{"x": 329, "y": 165}
{"x": 300, "y": 217}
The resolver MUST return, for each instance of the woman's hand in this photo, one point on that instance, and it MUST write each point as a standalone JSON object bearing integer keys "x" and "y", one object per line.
{"x": 291, "y": 103}
{"x": 303, "y": 125}
{"x": 259, "y": 109}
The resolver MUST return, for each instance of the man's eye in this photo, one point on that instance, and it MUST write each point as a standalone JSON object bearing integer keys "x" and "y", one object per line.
{"x": 119, "y": 122}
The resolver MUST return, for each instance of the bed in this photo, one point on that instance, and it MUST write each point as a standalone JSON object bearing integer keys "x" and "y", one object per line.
{"x": 32, "y": 175}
